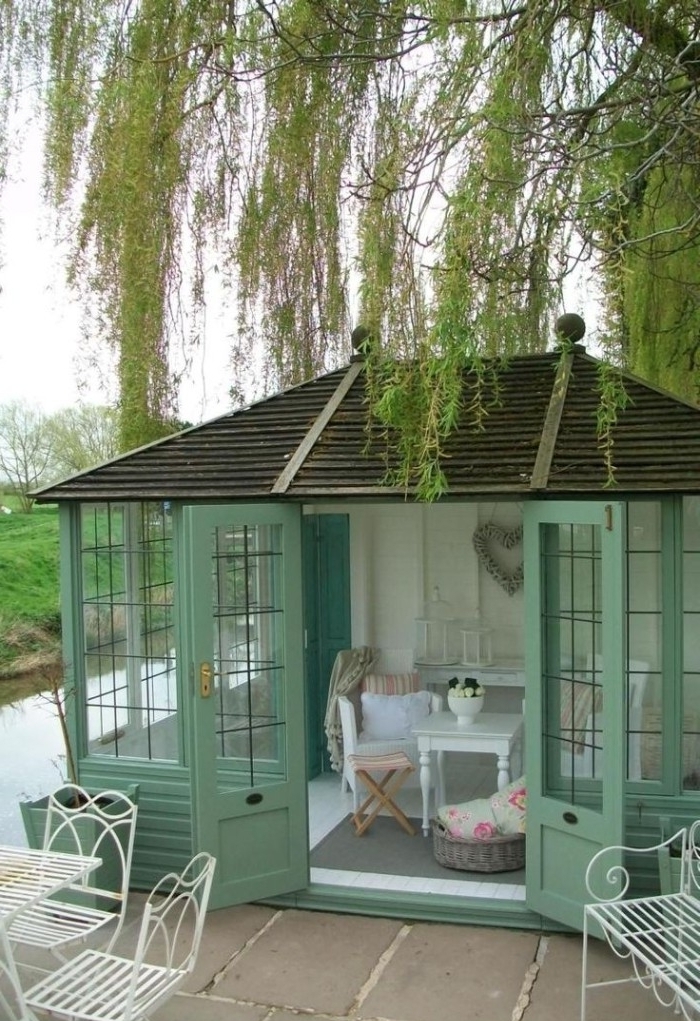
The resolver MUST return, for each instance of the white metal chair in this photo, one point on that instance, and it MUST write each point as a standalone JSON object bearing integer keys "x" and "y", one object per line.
{"x": 102, "y": 825}
{"x": 356, "y": 743}
{"x": 12, "y": 1006}
{"x": 115, "y": 988}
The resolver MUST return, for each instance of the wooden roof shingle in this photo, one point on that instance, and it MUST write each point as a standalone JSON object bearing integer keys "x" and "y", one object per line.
{"x": 311, "y": 441}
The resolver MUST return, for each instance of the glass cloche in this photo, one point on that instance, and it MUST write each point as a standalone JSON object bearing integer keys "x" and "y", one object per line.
{"x": 435, "y": 633}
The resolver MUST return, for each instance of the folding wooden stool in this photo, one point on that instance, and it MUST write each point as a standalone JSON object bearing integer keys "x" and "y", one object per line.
{"x": 396, "y": 768}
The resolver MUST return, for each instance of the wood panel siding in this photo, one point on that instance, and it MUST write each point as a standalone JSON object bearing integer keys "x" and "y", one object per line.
{"x": 164, "y": 840}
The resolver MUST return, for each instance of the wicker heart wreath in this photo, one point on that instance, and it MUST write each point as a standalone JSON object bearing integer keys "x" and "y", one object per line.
{"x": 486, "y": 539}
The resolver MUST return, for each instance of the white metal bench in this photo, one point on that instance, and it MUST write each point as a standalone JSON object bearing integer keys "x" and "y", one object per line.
{"x": 659, "y": 935}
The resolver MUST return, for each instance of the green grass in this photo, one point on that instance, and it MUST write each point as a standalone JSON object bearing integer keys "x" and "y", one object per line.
{"x": 29, "y": 563}
{"x": 29, "y": 569}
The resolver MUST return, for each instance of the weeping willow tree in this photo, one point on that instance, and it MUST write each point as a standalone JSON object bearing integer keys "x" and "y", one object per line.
{"x": 438, "y": 170}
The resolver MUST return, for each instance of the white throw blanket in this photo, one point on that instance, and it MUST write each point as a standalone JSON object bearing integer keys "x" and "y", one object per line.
{"x": 349, "y": 668}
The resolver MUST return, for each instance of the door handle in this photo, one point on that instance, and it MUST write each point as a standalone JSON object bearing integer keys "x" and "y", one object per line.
{"x": 205, "y": 675}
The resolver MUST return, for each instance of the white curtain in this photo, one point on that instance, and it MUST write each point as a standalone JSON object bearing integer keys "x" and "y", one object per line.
{"x": 349, "y": 668}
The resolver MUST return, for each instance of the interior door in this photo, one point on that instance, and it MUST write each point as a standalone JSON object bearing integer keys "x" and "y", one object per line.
{"x": 575, "y": 630}
{"x": 247, "y": 747}
{"x": 326, "y": 557}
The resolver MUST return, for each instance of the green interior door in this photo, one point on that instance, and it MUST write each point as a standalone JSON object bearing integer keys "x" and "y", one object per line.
{"x": 247, "y": 751}
{"x": 326, "y": 555}
{"x": 575, "y": 629}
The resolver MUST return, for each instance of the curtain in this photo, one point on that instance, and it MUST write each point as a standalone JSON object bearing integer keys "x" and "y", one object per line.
{"x": 349, "y": 668}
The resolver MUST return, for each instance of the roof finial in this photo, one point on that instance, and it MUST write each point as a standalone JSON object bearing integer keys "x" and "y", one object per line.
{"x": 362, "y": 339}
{"x": 570, "y": 328}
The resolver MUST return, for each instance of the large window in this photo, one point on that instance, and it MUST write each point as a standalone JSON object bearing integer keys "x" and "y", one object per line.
{"x": 662, "y": 678}
{"x": 574, "y": 609}
{"x": 664, "y": 621}
{"x": 126, "y": 561}
{"x": 645, "y": 638}
{"x": 690, "y": 749}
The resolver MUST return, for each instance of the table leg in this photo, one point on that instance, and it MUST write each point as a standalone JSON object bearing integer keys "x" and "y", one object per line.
{"x": 503, "y": 766}
{"x": 14, "y": 1008}
{"x": 440, "y": 788}
{"x": 425, "y": 789}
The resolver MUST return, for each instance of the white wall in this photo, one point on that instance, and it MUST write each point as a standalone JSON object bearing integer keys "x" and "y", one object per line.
{"x": 499, "y": 610}
{"x": 399, "y": 553}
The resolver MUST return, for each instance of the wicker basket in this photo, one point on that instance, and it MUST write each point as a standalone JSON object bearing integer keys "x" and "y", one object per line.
{"x": 497, "y": 854}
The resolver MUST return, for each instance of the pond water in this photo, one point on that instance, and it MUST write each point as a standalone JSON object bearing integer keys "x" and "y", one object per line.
{"x": 32, "y": 760}
{"x": 32, "y": 754}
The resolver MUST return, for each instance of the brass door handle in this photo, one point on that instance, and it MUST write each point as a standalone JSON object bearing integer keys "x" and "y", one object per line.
{"x": 205, "y": 675}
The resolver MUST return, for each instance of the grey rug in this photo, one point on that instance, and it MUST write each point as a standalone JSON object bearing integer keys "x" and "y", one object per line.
{"x": 385, "y": 848}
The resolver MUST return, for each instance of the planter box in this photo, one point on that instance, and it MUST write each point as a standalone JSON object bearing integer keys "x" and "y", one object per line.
{"x": 109, "y": 874}
{"x": 670, "y": 873}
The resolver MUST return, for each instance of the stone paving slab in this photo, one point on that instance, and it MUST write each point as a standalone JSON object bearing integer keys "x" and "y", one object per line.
{"x": 449, "y": 971}
{"x": 227, "y": 932}
{"x": 556, "y": 994}
{"x": 310, "y": 961}
{"x": 205, "y": 1008}
{"x": 259, "y": 963}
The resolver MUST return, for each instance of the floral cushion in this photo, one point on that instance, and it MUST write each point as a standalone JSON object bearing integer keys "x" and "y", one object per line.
{"x": 472, "y": 819}
{"x": 509, "y": 807}
{"x": 481, "y": 818}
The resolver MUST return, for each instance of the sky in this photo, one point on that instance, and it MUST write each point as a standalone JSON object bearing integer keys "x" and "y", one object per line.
{"x": 40, "y": 358}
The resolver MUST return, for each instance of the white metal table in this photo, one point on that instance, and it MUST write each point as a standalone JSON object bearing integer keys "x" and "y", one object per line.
{"x": 28, "y": 876}
{"x": 496, "y": 733}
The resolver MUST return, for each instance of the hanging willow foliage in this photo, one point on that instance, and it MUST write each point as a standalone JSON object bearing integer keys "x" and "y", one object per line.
{"x": 438, "y": 170}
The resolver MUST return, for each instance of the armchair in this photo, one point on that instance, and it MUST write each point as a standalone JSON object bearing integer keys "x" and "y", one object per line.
{"x": 358, "y": 741}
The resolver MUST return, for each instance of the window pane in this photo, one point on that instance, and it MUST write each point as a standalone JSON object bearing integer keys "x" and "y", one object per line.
{"x": 249, "y": 653}
{"x": 571, "y": 635}
{"x": 128, "y": 629}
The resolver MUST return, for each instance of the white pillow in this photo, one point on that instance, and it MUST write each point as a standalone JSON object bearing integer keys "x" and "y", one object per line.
{"x": 390, "y": 717}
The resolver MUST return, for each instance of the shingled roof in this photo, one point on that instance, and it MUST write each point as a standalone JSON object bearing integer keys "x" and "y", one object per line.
{"x": 311, "y": 441}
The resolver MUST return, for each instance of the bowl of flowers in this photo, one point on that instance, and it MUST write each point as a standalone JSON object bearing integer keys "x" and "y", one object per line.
{"x": 465, "y": 699}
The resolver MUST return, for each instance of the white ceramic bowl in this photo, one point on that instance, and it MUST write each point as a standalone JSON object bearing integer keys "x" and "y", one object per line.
{"x": 466, "y": 709}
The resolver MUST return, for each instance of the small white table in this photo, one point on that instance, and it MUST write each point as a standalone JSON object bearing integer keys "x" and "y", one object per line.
{"x": 497, "y": 733}
{"x": 28, "y": 876}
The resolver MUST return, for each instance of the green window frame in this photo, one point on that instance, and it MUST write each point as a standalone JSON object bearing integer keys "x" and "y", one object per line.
{"x": 128, "y": 630}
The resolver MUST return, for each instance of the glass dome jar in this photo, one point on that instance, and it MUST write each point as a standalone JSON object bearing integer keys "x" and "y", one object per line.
{"x": 435, "y": 633}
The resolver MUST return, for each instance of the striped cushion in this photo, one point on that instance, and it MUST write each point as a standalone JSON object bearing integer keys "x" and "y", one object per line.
{"x": 390, "y": 684}
{"x": 390, "y": 760}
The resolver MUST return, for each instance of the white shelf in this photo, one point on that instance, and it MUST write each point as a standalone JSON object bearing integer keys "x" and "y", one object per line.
{"x": 497, "y": 675}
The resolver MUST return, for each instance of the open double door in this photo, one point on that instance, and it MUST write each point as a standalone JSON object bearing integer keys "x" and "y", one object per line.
{"x": 249, "y": 743}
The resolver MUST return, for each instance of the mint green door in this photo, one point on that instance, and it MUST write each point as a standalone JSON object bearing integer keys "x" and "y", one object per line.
{"x": 247, "y": 742}
{"x": 575, "y": 668}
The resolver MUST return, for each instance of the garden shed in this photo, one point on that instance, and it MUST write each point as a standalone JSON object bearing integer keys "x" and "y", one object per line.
{"x": 210, "y": 579}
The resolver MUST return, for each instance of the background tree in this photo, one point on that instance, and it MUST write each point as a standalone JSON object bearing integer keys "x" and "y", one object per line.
{"x": 452, "y": 162}
{"x": 37, "y": 448}
{"x": 26, "y": 449}
{"x": 83, "y": 437}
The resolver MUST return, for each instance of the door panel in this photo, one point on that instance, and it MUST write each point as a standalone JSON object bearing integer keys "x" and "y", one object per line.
{"x": 575, "y": 663}
{"x": 247, "y": 743}
{"x": 326, "y": 619}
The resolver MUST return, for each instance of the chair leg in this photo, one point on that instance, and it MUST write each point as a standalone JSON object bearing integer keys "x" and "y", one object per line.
{"x": 380, "y": 795}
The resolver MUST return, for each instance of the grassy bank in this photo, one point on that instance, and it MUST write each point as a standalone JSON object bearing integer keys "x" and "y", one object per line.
{"x": 29, "y": 590}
